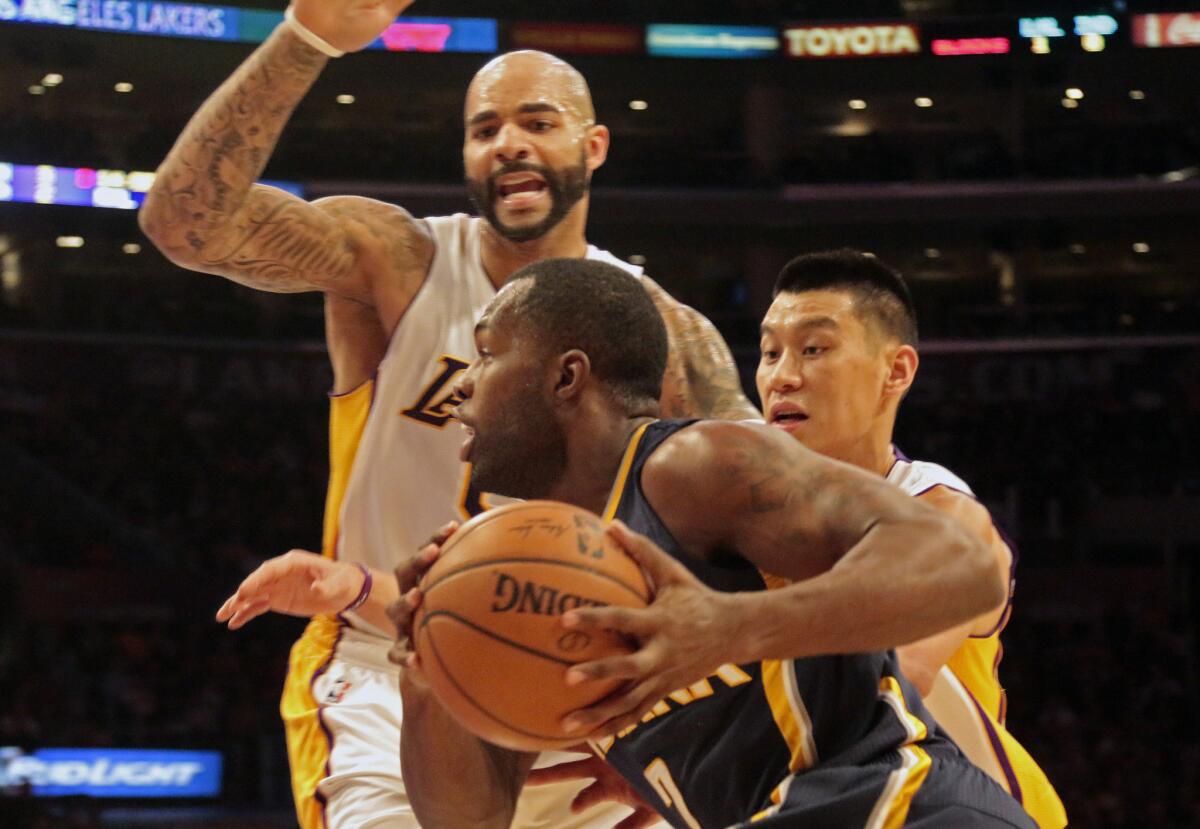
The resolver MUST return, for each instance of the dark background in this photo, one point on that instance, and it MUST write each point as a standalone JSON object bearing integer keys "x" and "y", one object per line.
{"x": 163, "y": 431}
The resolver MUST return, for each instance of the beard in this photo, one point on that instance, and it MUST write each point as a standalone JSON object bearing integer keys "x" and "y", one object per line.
{"x": 566, "y": 187}
{"x": 522, "y": 453}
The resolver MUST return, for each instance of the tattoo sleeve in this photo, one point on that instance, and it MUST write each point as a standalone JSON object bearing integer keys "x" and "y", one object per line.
{"x": 702, "y": 378}
{"x": 205, "y": 211}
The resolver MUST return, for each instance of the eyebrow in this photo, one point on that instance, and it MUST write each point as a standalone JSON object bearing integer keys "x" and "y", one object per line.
{"x": 491, "y": 114}
{"x": 806, "y": 325}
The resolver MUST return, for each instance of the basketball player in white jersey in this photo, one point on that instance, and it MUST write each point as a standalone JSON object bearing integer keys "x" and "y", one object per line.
{"x": 530, "y": 148}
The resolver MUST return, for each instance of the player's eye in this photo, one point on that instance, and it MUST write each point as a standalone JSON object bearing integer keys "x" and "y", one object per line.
{"x": 813, "y": 350}
{"x": 485, "y": 132}
{"x": 541, "y": 125}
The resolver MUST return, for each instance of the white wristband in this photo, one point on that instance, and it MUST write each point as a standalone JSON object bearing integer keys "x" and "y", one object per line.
{"x": 313, "y": 40}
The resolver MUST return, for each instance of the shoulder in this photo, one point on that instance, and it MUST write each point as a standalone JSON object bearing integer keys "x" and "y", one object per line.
{"x": 374, "y": 214}
{"x": 962, "y": 507}
{"x": 916, "y": 477}
{"x": 392, "y": 248}
{"x": 706, "y": 460}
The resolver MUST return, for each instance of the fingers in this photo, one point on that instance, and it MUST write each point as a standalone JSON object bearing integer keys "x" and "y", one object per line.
{"x": 642, "y": 818}
{"x": 409, "y": 572}
{"x": 443, "y": 535}
{"x": 634, "y": 666}
{"x": 400, "y": 613}
{"x": 617, "y": 711}
{"x": 248, "y": 611}
{"x": 636, "y": 622}
{"x": 661, "y": 568}
{"x": 573, "y": 770}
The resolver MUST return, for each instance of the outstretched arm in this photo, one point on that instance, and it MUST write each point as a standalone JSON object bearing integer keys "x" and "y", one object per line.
{"x": 702, "y": 378}
{"x": 204, "y": 211}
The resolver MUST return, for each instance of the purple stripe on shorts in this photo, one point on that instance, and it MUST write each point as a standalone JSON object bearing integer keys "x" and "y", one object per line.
{"x": 320, "y": 798}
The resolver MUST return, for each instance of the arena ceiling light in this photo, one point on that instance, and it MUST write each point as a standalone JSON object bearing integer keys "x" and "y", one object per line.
{"x": 69, "y": 241}
{"x": 1070, "y": 103}
{"x": 132, "y": 248}
{"x": 122, "y": 86}
{"x": 923, "y": 102}
{"x": 346, "y": 98}
{"x": 856, "y": 103}
{"x": 1137, "y": 95}
{"x": 1077, "y": 249}
{"x": 1141, "y": 247}
{"x": 1074, "y": 93}
{"x": 37, "y": 89}
{"x": 52, "y": 79}
{"x": 638, "y": 105}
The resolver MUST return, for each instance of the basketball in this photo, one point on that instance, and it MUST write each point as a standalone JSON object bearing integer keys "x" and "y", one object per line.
{"x": 488, "y": 632}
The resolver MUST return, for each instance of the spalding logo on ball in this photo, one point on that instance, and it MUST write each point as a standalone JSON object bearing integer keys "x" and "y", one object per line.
{"x": 488, "y": 632}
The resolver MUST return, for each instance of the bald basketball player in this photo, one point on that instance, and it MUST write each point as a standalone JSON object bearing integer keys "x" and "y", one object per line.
{"x": 838, "y": 354}
{"x": 531, "y": 145}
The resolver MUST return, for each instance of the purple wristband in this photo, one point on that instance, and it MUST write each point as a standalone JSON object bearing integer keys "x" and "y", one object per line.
{"x": 361, "y": 598}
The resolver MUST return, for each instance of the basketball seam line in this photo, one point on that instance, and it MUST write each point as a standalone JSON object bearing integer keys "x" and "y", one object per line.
{"x": 492, "y": 634}
{"x": 565, "y": 741}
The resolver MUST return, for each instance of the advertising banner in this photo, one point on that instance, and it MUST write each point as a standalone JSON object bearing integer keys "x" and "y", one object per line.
{"x": 688, "y": 41}
{"x": 1163, "y": 30}
{"x": 851, "y": 40}
{"x": 578, "y": 38}
{"x": 111, "y": 772}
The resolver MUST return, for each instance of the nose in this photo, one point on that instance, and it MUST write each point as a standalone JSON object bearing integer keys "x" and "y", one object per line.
{"x": 512, "y": 144}
{"x": 464, "y": 384}
{"x": 785, "y": 376}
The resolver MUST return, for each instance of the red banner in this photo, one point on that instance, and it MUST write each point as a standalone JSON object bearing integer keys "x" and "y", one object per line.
{"x": 1155, "y": 30}
{"x": 578, "y": 38}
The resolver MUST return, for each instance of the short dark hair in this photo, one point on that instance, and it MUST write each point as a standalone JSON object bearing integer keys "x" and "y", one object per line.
{"x": 605, "y": 313}
{"x": 879, "y": 290}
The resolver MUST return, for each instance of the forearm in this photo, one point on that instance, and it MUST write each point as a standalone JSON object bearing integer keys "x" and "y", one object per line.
{"x": 440, "y": 762}
{"x": 209, "y": 173}
{"x": 900, "y": 583}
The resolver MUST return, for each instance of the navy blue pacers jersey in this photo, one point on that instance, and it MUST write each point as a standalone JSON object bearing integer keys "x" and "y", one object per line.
{"x": 831, "y": 741}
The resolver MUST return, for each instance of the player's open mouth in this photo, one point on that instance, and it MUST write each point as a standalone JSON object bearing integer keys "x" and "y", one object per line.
{"x": 786, "y": 416}
{"x": 520, "y": 189}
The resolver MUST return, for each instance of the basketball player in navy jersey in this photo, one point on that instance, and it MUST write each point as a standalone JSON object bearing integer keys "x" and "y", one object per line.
{"x": 784, "y": 576}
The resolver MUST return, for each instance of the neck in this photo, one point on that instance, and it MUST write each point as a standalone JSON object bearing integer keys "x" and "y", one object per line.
{"x": 594, "y": 453}
{"x": 873, "y": 451}
{"x": 503, "y": 257}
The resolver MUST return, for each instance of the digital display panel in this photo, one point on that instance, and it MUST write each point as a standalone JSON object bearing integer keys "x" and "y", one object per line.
{"x": 85, "y": 187}
{"x": 204, "y": 22}
{"x": 688, "y": 41}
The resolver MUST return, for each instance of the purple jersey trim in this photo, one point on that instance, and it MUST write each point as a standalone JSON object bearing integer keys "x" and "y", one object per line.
{"x": 998, "y": 749}
{"x": 320, "y": 798}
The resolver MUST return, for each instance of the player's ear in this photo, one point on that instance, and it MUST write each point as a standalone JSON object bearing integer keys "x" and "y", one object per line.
{"x": 597, "y": 139}
{"x": 902, "y": 371}
{"x": 573, "y": 370}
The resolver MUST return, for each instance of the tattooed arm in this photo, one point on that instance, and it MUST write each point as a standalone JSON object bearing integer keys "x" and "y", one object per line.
{"x": 702, "y": 378}
{"x": 205, "y": 212}
{"x": 872, "y": 567}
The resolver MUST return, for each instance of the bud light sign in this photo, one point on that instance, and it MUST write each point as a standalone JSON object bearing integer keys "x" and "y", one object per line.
{"x": 111, "y": 772}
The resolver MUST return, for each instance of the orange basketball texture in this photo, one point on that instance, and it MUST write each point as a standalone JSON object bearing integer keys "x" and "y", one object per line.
{"x": 488, "y": 632}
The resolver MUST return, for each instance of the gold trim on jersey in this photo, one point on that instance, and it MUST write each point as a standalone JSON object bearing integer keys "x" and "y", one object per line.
{"x": 790, "y": 713}
{"x": 618, "y": 488}
{"x": 914, "y": 726}
{"x": 891, "y": 810}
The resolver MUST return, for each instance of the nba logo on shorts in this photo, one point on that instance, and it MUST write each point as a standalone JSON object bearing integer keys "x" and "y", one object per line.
{"x": 337, "y": 691}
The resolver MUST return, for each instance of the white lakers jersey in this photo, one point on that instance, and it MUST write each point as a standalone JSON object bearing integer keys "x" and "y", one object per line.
{"x": 407, "y": 480}
{"x": 918, "y": 477}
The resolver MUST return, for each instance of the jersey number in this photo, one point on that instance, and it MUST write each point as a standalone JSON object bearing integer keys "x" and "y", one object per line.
{"x": 659, "y": 776}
